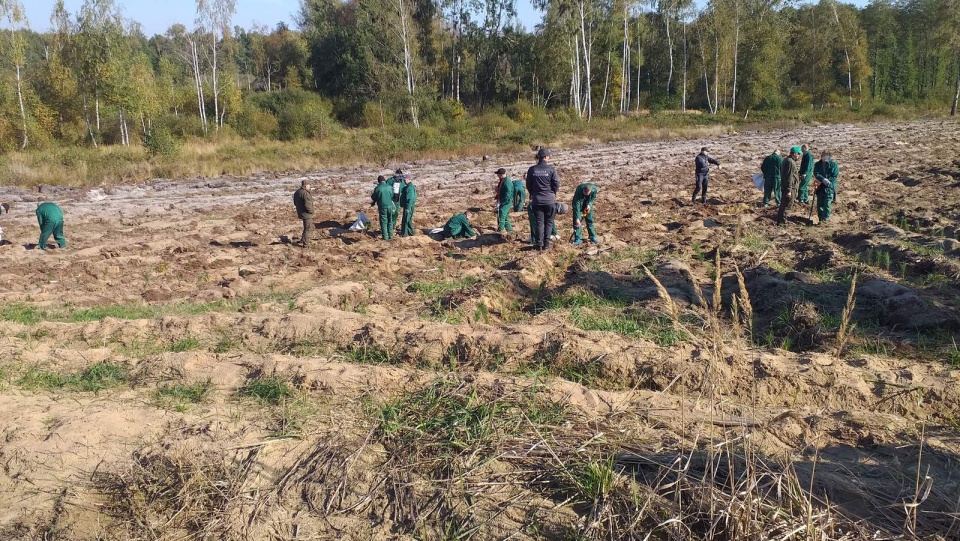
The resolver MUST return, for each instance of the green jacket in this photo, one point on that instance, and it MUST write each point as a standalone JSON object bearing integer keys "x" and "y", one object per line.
{"x": 580, "y": 201}
{"x": 806, "y": 165}
{"x": 771, "y": 166}
{"x": 505, "y": 193}
{"x": 519, "y": 195}
{"x": 49, "y": 213}
{"x": 827, "y": 173}
{"x": 383, "y": 196}
{"x": 408, "y": 195}
{"x": 458, "y": 227}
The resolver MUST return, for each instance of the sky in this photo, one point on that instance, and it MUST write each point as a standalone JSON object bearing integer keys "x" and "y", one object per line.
{"x": 155, "y": 16}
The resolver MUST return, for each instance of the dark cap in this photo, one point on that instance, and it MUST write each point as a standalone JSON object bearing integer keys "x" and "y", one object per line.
{"x": 381, "y": 178}
{"x": 704, "y": 149}
{"x": 543, "y": 153}
{"x": 399, "y": 171}
{"x": 501, "y": 171}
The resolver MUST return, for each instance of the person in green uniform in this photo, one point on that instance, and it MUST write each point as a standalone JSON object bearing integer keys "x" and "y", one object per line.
{"x": 789, "y": 179}
{"x": 50, "y": 217}
{"x": 396, "y": 184}
{"x": 458, "y": 227}
{"x": 771, "y": 177}
{"x": 826, "y": 171}
{"x": 519, "y": 195}
{"x": 383, "y": 198}
{"x": 806, "y": 175}
{"x": 583, "y": 200}
{"x": 303, "y": 202}
{"x": 504, "y": 197}
{"x": 408, "y": 200}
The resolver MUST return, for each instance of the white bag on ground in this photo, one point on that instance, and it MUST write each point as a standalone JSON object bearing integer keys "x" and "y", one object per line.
{"x": 758, "y": 181}
{"x": 436, "y": 231}
{"x": 361, "y": 224}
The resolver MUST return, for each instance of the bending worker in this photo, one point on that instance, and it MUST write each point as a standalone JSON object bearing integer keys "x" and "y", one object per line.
{"x": 703, "y": 162}
{"x": 382, "y": 197}
{"x": 458, "y": 227}
{"x": 504, "y": 197}
{"x": 50, "y": 217}
{"x": 583, "y": 200}
{"x": 408, "y": 200}
{"x": 826, "y": 172}
{"x": 771, "y": 177}
{"x": 789, "y": 178}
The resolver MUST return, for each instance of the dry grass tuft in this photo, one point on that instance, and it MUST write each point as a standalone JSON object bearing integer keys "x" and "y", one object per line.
{"x": 846, "y": 326}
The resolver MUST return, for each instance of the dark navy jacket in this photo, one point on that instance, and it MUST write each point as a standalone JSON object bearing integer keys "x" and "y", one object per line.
{"x": 543, "y": 184}
{"x": 703, "y": 165}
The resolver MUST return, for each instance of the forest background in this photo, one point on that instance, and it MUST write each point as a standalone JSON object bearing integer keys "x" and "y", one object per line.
{"x": 93, "y": 99}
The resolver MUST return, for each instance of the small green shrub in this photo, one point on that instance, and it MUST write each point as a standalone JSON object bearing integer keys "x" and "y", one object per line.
{"x": 267, "y": 389}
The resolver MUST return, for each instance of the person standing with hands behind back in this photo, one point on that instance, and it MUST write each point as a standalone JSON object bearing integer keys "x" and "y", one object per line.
{"x": 303, "y": 201}
{"x": 543, "y": 183}
{"x": 703, "y": 161}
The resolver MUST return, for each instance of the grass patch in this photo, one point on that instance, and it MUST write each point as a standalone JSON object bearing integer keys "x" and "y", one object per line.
{"x": 368, "y": 353}
{"x": 590, "y": 312}
{"x": 433, "y": 290}
{"x": 31, "y": 315}
{"x": 450, "y": 417}
{"x": 180, "y": 396}
{"x": 267, "y": 389}
{"x": 95, "y": 378}
{"x": 755, "y": 243}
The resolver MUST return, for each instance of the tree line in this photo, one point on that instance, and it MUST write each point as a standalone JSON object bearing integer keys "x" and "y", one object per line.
{"x": 95, "y": 78}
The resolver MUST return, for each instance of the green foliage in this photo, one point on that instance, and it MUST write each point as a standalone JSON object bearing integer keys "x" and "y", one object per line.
{"x": 300, "y": 114}
{"x": 160, "y": 142}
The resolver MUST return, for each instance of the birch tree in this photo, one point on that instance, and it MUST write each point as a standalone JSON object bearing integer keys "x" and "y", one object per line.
{"x": 214, "y": 18}
{"x": 12, "y": 12}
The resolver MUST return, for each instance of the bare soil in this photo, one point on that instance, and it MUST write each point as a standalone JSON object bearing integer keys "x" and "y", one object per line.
{"x": 201, "y": 284}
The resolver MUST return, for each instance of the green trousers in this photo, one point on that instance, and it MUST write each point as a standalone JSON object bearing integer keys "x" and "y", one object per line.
{"x": 824, "y": 203}
{"x": 503, "y": 218}
{"x": 803, "y": 194}
{"x": 56, "y": 230}
{"x": 588, "y": 220}
{"x": 406, "y": 227}
{"x": 388, "y": 222}
{"x": 771, "y": 186}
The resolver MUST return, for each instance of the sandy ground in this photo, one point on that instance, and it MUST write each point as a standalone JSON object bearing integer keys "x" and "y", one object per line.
{"x": 872, "y": 416}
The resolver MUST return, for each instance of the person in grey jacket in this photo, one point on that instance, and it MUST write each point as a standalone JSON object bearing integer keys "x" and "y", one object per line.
{"x": 703, "y": 173}
{"x": 303, "y": 201}
{"x": 543, "y": 185}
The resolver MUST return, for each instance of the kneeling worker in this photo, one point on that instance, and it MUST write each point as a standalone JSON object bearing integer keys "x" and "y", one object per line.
{"x": 50, "y": 217}
{"x": 583, "y": 200}
{"x": 458, "y": 227}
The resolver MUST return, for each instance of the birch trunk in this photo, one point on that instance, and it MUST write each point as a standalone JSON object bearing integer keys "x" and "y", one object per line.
{"x": 683, "y": 98}
{"x": 86, "y": 118}
{"x": 23, "y": 112}
{"x": 96, "y": 107}
{"x": 846, "y": 53}
{"x": 639, "y": 57}
{"x": 666, "y": 19}
{"x": 956, "y": 96}
{"x": 198, "y": 81}
{"x": 216, "y": 86}
{"x": 606, "y": 85}
{"x": 588, "y": 91}
{"x": 716, "y": 75}
{"x": 625, "y": 65}
{"x": 408, "y": 64}
{"x": 706, "y": 78}
{"x": 736, "y": 54}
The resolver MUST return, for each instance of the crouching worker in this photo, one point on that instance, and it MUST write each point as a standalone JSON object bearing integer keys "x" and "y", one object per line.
{"x": 826, "y": 172}
{"x": 458, "y": 227}
{"x": 50, "y": 217}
